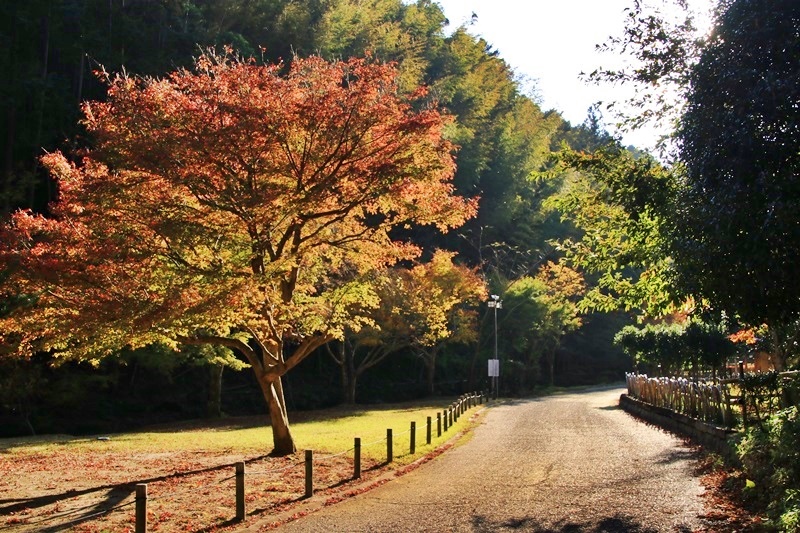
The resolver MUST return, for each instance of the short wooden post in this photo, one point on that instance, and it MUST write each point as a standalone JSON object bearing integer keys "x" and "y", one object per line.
{"x": 413, "y": 440}
{"x": 240, "y": 491}
{"x": 444, "y": 413}
{"x": 389, "y": 453}
{"x": 429, "y": 430}
{"x": 141, "y": 508}
{"x": 309, "y": 473}
{"x": 357, "y": 458}
{"x": 438, "y": 424}
{"x": 450, "y": 414}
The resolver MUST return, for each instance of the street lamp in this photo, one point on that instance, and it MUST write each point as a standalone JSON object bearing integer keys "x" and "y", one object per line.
{"x": 494, "y": 365}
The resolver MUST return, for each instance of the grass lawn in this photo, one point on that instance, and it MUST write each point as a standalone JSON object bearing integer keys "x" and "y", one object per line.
{"x": 62, "y": 479}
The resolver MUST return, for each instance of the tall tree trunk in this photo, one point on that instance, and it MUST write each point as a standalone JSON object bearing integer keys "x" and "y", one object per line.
{"x": 473, "y": 365}
{"x": 349, "y": 376}
{"x": 214, "y": 409}
{"x": 551, "y": 364}
{"x": 350, "y": 399}
{"x": 430, "y": 367}
{"x": 272, "y": 388}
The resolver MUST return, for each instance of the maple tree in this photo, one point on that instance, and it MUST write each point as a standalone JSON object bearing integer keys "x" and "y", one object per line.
{"x": 538, "y": 311}
{"x": 229, "y": 205}
{"x": 438, "y": 300}
{"x": 420, "y": 308}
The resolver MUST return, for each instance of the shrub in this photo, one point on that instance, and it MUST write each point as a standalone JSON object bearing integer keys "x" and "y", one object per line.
{"x": 771, "y": 459}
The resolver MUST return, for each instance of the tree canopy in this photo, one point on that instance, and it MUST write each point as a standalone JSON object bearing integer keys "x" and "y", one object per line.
{"x": 226, "y": 205}
{"x": 738, "y": 240}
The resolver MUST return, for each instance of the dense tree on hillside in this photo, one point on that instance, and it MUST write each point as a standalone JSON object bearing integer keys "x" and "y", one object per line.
{"x": 407, "y": 33}
{"x": 227, "y": 206}
{"x": 504, "y": 138}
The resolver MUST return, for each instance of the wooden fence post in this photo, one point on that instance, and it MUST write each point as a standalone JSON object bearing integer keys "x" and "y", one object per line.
{"x": 389, "y": 454}
{"x": 141, "y": 508}
{"x": 357, "y": 458}
{"x": 438, "y": 424}
{"x": 309, "y": 473}
{"x": 240, "y": 513}
{"x": 444, "y": 414}
{"x": 429, "y": 430}
{"x": 413, "y": 440}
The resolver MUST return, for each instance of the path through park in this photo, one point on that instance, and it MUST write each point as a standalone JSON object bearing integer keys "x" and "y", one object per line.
{"x": 565, "y": 463}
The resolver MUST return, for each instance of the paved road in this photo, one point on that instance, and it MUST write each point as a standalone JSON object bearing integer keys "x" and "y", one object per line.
{"x": 569, "y": 463}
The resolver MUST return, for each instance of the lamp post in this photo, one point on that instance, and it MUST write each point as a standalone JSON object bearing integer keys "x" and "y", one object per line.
{"x": 494, "y": 365}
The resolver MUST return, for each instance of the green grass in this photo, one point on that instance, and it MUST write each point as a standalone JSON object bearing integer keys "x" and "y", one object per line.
{"x": 326, "y": 432}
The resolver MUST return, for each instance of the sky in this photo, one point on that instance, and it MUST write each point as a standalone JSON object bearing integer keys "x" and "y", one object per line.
{"x": 550, "y": 42}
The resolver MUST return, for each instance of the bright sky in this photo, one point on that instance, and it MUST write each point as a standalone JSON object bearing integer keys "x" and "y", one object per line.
{"x": 550, "y": 42}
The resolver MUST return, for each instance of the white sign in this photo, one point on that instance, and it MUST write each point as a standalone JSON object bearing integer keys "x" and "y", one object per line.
{"x": 494, "y": 368}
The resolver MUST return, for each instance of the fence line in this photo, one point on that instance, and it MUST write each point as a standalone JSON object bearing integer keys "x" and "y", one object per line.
{"x": 745, "y": 400}
{"x": 142, "y": 498}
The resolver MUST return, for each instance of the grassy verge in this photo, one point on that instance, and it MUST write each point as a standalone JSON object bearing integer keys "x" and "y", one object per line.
{"x": 326, "y": 431}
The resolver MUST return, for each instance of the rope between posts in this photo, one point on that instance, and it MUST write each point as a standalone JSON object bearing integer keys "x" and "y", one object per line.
{"x": 183, "y": 491}
{"x": 325, "y": 457}
{"x": 276, "y": 470}
{"x": 373, "y": 443}
{"x": 82, "y": 518}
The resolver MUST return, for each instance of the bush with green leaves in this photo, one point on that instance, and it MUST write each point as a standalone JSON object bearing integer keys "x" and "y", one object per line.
{"x": 771, "y": 461}
{"x": 676, "y": 346}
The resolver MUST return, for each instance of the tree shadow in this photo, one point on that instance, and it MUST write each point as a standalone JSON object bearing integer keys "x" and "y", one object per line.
{"x": 678, "y": 455}
{"x": 617, "y": 523}
{"x": 115, "y": 494}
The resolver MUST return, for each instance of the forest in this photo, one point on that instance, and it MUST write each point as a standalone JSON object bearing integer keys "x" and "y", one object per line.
{"x": 230, "y": 207}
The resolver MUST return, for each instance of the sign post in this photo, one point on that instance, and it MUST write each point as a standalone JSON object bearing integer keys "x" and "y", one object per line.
{"x": 494, "y": 364}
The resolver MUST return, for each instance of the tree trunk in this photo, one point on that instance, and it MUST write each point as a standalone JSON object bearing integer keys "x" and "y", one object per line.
{"x": 214, "y": 409}
{"x": 778, "y": 355}
{"x": 430, "y": 366}
{"x": 351, "y": 389}
{"x": 473, "y": 365}
{"x": 272, "y": 388}
{"x": 349, "y": 376}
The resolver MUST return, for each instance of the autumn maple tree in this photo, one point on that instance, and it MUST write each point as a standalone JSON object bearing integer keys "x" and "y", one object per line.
{"x": 421, "y": 308}
{"x": 229, "y": 205}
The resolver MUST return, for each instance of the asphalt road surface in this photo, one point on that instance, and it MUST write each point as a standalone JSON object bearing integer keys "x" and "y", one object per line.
{"x": 567, "y": 463}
